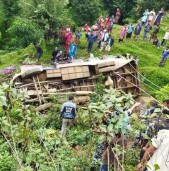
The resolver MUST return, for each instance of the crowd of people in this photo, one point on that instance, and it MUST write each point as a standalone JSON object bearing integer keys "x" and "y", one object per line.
{"x": 101, "y": 33}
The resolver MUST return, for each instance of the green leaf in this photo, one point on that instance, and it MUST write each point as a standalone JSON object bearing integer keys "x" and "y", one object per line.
{"x": 156, "y": 167}
{"x": 3, "y": 101}
{"x": 110, "y": 127}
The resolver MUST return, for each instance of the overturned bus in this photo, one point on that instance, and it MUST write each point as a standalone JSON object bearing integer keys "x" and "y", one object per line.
{"x": 37, "y": 82}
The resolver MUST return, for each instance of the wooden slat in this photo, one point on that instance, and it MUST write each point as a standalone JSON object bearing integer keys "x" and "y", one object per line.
{"x": 72, "y": 76}
{"x": 37, "y": 91}
{"x": 33, "y": 92}
{"x": 50, "y": 75}
{"x": 79, "y": 75}
{"x": 64, "y": 71}
{"x": 105, "y": 64}
{"x": 56, "y": 74}
{"x": 106, "y": 69}
{"x": 49, "y": 71}
{"x": 71, "y": 70}
{"x": 65, "y": 77}
{"x": 79, "y": 69}
{"x": 86, "y": 74}
{"x": 85, "y": 69}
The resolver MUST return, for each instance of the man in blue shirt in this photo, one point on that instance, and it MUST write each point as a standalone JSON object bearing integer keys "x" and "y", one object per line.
{"x": 164, "y": 57}
{"x": 68, "y": 113}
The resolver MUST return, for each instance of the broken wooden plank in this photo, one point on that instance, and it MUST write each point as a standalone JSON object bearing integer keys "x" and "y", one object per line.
{"x": 44, "y": 107}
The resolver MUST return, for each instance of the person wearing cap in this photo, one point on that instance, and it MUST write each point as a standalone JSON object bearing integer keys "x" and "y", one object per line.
{"x": 68, "y": 114}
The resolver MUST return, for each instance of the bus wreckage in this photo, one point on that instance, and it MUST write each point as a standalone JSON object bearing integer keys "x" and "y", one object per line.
{"x": 79, "y": 78}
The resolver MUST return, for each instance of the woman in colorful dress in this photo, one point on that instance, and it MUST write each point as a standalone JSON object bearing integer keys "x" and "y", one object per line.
{"x": 159, "y": 16}
{"x": 118, "y": 15}
{"x": 68, "y": 39}
{"x": 123, "y": 33}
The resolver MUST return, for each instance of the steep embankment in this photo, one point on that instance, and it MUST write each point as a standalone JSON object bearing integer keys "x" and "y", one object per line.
{"x": 149, "y": 55}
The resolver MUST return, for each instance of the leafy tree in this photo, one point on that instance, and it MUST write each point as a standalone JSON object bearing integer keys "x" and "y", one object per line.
{"x": 125, "y": 6}
{"x": 46, "y": 13}
{"x": 2, "y": 18}
{"x": 2, "y": 15}
{"x": 85, "y": 11}
{"x": 9, "y": 9}
{"x": 153, "y": 4}
{"x": 23, "y": 32}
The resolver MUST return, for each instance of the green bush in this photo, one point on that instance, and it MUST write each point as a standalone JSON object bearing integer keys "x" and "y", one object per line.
{"x": 163, "y": 93}
{"x": 89, "y": 11}
{"x": 24, "y": 32}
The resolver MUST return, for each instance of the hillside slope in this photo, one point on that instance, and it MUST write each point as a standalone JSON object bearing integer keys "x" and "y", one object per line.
{"x": 149, "y": 55}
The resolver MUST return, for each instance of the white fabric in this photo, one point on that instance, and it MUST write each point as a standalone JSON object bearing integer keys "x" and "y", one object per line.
{"x": 166, "y": 36}
{"x": 106, "y": 36}
{"x": 161, "y": 155}
{"x": 151, "y": 15}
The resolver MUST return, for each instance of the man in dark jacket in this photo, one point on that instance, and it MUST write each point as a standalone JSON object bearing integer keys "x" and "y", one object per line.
{"x": 54, "y": 54}
{"x": 39, "y": 51}
{"x": 68, "y": 113}
{"x": 91, "y": 38}
{"x": 137, "y": 31}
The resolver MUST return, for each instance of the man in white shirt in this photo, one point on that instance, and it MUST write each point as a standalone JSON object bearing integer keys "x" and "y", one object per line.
{"x": 159, "y": 150}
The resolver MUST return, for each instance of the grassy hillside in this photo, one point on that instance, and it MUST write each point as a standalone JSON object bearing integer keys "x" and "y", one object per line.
{"x": 149, "y": 55}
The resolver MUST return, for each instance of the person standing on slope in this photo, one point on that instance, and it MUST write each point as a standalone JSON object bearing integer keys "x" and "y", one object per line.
{"x": 164, "y": 57}
{"x": 68, "y": 113}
